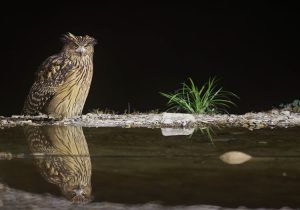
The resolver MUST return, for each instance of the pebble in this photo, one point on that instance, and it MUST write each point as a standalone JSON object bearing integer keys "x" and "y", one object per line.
{"x": 287, "y": 113}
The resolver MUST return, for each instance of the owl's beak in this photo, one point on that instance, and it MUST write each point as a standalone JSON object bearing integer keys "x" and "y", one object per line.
{"x": 81, "y": 50}
{"x": 78, "y": 191}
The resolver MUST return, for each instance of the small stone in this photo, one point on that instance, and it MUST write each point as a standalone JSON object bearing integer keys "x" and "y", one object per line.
{"x": 4, "y": 121}
{"x": 5, "y": 155}
{"x": 235, "y": 157}
{"x": 260, "y": 125}
{"x": 287, "y": 113}
{"x": 274, "y": 111}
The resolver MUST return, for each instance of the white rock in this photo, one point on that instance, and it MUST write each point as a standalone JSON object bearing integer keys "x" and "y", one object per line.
{"x": 171, "y": 118}
{"x": 177, "y": 131}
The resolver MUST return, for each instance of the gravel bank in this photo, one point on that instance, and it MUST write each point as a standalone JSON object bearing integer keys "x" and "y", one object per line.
{"x": 272, "y": 119}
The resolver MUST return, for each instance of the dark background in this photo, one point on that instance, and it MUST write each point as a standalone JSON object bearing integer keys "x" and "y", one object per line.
{"x": 144, "y": 49}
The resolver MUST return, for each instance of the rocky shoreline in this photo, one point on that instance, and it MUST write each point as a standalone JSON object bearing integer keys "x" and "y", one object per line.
{"x": 27, "y": 200}
{"x": 271, "y": 119}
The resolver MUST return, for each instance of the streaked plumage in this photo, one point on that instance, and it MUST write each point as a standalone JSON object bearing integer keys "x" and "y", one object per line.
{"x": 65, "y": 159}
{"x": 63, "y": 80}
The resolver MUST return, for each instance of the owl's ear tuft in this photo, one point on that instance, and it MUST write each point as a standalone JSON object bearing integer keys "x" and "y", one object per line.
{"x": 91, "y": 40}
{"x": 94, "y": 42}
{"x": 68, "y": 37}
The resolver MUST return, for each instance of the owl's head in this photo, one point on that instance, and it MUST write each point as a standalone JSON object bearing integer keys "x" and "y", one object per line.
{"x": 77, "y": 193}
{"x": 78, "y": 45}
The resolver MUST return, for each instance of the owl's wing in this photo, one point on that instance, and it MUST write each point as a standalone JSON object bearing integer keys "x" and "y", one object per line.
{"x": 51, "y": 75}
{"x": 50, "y": 164}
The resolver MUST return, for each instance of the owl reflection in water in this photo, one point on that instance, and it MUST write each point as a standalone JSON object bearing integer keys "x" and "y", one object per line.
{"x": 63, "y": 80}
{"x": 65, "y": 161}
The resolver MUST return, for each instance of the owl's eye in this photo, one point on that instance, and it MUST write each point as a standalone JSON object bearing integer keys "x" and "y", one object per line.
{"x": 75, "y": 46}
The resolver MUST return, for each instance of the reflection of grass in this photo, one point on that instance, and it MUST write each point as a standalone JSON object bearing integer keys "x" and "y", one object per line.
{"x": 206, "y": 131}
{"x": 207, "y": 99}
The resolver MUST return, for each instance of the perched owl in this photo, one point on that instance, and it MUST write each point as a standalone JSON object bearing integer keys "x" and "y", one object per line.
{"x": 63, "y": 80}
{"x": 66, "y": 161}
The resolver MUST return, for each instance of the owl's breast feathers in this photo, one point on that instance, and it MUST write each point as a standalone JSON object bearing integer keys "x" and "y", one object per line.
{"x": 52, "y": 73}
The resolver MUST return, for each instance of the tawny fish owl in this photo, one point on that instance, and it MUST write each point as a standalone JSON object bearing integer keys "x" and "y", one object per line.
{"x": 63, "y": 80}
{"x": 65, "y": 161}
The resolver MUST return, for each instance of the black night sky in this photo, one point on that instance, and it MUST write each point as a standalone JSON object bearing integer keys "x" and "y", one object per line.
{"x": 145, "y": 49}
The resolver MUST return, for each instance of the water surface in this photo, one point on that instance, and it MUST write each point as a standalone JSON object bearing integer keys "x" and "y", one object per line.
{"x": 143, "y": 169}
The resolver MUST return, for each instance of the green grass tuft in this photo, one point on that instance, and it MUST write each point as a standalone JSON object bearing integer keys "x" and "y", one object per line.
{"x": 207, "y": 99}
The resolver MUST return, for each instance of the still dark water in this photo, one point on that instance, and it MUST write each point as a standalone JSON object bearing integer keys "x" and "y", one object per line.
{"x": 119, "y": 168}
